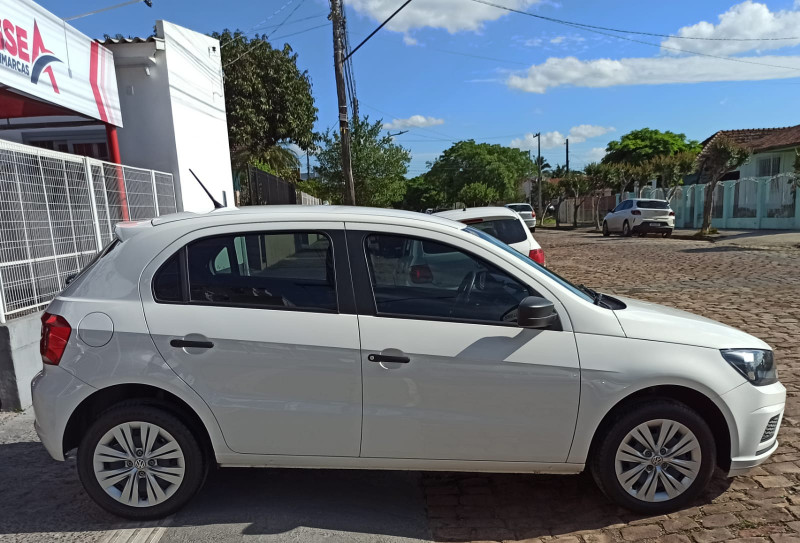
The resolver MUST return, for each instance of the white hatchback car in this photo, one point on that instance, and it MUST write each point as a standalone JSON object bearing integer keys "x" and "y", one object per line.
{"x": 285, "y": 337}
{"x": 527, "y": 213}
{"x": 640, "y": 216}
{"x": 503, "y": 223}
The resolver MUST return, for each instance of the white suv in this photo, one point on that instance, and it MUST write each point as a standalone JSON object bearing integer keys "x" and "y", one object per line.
{"x": 640, "y": 216}
{"x": 285, "y": 337}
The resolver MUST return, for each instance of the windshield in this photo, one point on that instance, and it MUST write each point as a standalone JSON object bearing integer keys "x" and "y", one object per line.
{"x": 555, "y": 277}
{"x": 521, "y": 208}
{"x": 652, "y": 204}
{"x": 506, "y": 230}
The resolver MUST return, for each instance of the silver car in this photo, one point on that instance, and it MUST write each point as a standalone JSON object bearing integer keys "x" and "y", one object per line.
{"x": 346, "y": 337}
{"x": 526, "y": 212}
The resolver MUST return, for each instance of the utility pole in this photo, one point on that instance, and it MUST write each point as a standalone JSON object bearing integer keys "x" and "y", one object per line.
{"x": 337, "y": 17}
{"x": 567, "y": 156}
{"x": 539, "y": 172}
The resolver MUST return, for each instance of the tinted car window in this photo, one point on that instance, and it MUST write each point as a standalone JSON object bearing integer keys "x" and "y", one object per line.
{"x": 506, "y": 230}
{"x": 440, "y": 282}
{"x": 167, "y": 281}
{"x": 521, "y": 208}
{"x": 289, "y": 270}
{"x": 652, "y": 204}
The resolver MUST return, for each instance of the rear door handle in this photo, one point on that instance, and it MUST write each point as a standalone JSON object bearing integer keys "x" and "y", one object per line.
{"x": 388, "y": 358}
{"x": 182, "y": 343}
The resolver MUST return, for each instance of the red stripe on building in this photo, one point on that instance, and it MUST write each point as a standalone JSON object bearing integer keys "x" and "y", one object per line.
{"x": 93, "y": 78}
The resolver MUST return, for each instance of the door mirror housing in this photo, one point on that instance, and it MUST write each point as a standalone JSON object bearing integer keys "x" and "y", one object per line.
{"x": 536, "y": 312}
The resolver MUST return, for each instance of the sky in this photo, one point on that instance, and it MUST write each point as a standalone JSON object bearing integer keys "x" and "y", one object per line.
{"x": 449, "y": 70}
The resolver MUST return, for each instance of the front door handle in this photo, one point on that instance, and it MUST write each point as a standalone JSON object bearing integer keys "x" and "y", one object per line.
{"x": 388, "y": 358}
{"x": 183, "y": 343}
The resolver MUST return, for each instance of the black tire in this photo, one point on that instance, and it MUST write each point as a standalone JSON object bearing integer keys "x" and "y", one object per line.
{"x": 626, "y": 229}
{"x": 195, "y": 465}
{"x": 606, "y": 231}
{"x": 602, "y": 463}
{"x": 533, "y": 229}
{"x": 667, "y": 234}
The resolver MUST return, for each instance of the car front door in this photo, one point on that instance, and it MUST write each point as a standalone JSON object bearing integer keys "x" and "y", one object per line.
{"x": 447, "y": 374}
{"x": 615, "y": 218}
{"x": 260, "y": 321}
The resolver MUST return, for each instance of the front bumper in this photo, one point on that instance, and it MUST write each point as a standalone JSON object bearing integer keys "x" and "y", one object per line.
{"x": 752, "y": 408}
{"x": 56, "y": 394}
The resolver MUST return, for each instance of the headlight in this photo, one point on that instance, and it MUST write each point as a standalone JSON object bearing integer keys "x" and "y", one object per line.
{"x": 757, "y": 366}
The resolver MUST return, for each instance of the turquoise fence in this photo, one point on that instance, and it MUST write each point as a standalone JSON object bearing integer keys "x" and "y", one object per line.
{"x": 759, "y": 203}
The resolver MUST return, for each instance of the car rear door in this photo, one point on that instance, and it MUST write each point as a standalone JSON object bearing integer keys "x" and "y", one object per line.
{"x": 449, "y": 376}
{"x": 259, "y": 319}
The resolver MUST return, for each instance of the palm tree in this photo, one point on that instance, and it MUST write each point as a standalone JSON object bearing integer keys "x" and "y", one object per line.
{"x": 542, "y": 165}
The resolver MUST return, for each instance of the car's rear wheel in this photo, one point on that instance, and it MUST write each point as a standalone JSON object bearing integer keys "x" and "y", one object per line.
{"x": 140, "y": 462}
{"x": 626, "y": 229}
{"x": 667, "y": 234}
{"x": 606, "y": 231}
{"x": 656, "y": 458}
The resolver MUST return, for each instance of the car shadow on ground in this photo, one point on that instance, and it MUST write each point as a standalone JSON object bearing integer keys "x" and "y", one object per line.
{"x": 723, "y": 249}
{"x": 40, "y": 495}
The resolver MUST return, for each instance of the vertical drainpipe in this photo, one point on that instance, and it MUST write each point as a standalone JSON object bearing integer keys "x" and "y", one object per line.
{"x": 113, "y": 149}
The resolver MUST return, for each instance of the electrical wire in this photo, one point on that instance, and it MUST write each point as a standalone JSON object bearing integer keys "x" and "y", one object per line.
{"x": 389, "y": 18}
{"x": 590, "y": 29}
{"x": 655, "y": 34}
{"x": 259, "y": 24}
{"x": 301, "y": 31}
{"x": 260, "y": 42}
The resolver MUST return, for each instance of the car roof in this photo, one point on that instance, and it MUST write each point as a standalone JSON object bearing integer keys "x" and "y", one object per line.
{"x": 477, "y": 213}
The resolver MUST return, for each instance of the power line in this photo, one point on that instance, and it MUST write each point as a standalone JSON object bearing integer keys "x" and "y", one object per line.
{"x": 655, "y": 34}
{"x": 301, "y": 31}
{"x": 149, "y": 4}
{"x": 259, "y": 24}
{"x": 260, "y": 42}
{"x": 590, "y": 29}
{"x": 389, "y": 18}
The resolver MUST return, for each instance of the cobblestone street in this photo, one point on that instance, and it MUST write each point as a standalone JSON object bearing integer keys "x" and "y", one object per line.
{"x": 751, "y": 284}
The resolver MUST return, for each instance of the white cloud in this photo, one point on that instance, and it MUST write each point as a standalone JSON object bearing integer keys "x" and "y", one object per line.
{"x": 451, "y": 15}
{"x": 555, "y": 72}
{"x": 558, "y": 39}
{"x": 596, "y": 154}
{"x": 294, "y": 148}
{"x": 550, "y": 140}
{"x": 415, "y": 121}
{"x": 409, "y": 40}
{"x": 746, "y": 20}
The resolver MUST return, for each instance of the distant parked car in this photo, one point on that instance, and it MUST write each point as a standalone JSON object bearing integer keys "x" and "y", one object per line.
{"x": 502, "y": 223}
{"x": 640, "y": 216}
{"x": 526, "y": 212}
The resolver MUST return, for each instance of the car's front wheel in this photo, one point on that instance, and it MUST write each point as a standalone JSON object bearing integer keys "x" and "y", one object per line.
{"x": 655, "y": 458}
{"x": 606, "y": 231}
{"x": 140, "y": 462}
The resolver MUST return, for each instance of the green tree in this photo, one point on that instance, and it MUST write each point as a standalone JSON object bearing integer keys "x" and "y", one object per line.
{"x": 267, "y": 99}
{"x": 494, "y": 166}
{"x": 379, "y": 164}
{"x": 421, "y": 194}
{"x": 671, "y": 169}
{"x": 641, "y": 145}
{"x": 600, "y": 177}
{"x": 720, "y": 156}
{"x": 477, "y": 194}
{"x": 542, "y": 165}
{"x": 554, "y": 194}
{"x": 559, "y": 171}
{"x": 577, "y": 186}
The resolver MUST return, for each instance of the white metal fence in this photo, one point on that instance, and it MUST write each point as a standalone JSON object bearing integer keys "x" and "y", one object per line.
{"x": 57, "y": 211}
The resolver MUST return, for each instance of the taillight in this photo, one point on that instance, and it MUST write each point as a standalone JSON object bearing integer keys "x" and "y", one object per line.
{"x": 533, "y": 214}
{"x": 55, "y": 334}
{"x": 671, "y": 213}
{"x": 636, "y": 212}
{"x": 537, "y": 255}
{"x": 421, "y": 274}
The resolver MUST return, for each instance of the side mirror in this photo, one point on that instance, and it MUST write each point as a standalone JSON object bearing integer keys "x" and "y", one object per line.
{"x": 536, "y": 312}
{"x": 610, "y": 211}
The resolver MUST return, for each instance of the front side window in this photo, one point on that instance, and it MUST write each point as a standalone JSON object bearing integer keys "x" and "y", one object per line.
{"x": 431, "y": 279}
{"x": 270, "y": 270}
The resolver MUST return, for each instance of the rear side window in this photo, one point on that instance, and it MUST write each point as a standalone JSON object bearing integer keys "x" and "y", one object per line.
{"x": 271, "y": 270}
{"x": 268, "y": 270}
{"x": 521, "y": 208}
{"x": 506, "y": 230}
{"x": 652, "y": 204}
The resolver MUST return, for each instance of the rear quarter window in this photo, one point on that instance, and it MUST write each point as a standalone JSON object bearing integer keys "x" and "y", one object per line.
{"x": 506, "y": 230}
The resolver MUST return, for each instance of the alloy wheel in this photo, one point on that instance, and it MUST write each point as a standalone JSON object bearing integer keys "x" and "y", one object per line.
{"x": 658, "y": 460}
{"x": 139, "y": 464}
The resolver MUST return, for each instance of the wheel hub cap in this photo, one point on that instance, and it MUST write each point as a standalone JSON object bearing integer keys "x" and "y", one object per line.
{"x": 139, "y": 464}
{"x": 658, "y": 460}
